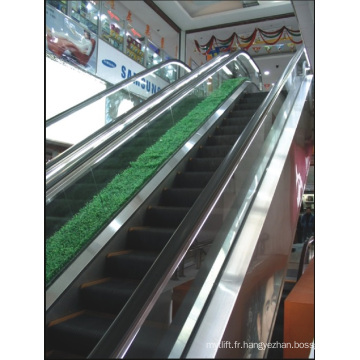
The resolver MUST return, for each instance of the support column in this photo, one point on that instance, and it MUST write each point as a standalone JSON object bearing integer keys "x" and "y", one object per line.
{"x": 182, "y": 51}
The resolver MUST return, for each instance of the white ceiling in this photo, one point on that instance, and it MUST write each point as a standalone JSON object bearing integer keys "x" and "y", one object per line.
{"x": 190, "y": 15}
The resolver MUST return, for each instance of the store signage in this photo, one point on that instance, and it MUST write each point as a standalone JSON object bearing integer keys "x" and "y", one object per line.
{"x": 143, "y": 83}
{"x": 124, "y": 69}
{"x": 108, "y": 63}
{"x": 113, "y": 16}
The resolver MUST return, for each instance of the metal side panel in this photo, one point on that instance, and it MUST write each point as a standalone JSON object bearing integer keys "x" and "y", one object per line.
{"x": 260, "y": 251}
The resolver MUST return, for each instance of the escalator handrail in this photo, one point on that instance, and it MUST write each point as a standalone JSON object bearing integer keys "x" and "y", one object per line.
{"x": 112, "y": 89}
{"x": 80, "y": 154}
{"x": 304, "y": 250}
{"x": 121, "y": 333}
{"x": 66, "y": 168}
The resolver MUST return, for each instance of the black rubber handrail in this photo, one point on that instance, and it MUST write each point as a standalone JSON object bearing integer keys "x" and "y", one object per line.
{"x": 117, "y": 339}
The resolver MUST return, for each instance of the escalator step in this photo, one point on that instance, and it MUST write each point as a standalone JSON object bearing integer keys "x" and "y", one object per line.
{"x": 192, "y": 179}
{"x": 145, "y": 238}
{"x": 237, "y": 121}
{"x": 259, "y": 96}
{"x": 246, "y": 106}
{"x": 204, "y": 164}
{"x": 242, "y": 113}
{"x": 222, "y": 139}
{"x": 107, "y": 295}
{"x": 229, "y": 130}
{"x": 78, "y": 334}
{"x": 213, "y": 151}
{"x": 165, "y": 216}
{"x": 129, "y": 264}
{"x": 179, "y": 197}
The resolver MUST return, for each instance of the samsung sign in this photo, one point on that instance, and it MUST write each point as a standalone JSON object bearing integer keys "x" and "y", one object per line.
{"x": 121, "y": 67}
{"x": 108, "y": 63}
{"x": 144, "y": 84}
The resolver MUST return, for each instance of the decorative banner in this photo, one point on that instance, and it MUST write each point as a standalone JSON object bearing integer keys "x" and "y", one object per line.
{"x": 245, "y": 42}
{"x": 256, "y": 48}
{"x": 112, "y": 4}
{"x": 291, "y": 46}
{"x": 147, "y": 31}
{"x": 162, "y": 43}
{"x": 280, "y": 47}
{"x": 268, "y": 49}
{"x": 128, "y": 17}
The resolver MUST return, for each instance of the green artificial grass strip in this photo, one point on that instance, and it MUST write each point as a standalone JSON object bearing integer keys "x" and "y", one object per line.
{"x": 67, "y": 243}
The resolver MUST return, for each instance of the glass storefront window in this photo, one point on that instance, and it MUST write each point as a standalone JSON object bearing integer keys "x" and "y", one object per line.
{"x": 135, "y": 45}
{"x": 86, "y": 13}
{"x": 153, "y": 55}
{"x": 112, "y": 28}
{"x": 60, "y": 5}
{"x": 167, "y": 57}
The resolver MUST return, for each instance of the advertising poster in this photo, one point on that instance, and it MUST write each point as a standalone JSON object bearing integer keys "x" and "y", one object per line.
{"x": 114, "y": 67}
{"x": 69, "y": 41}
{"x": 301, "y": 163}
{"x": 261, "y": 315}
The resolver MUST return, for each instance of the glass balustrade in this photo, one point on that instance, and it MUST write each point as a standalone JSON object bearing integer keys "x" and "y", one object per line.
{"x": 122, "y": 168}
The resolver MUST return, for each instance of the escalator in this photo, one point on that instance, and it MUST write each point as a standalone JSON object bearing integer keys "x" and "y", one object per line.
{"x": 103, "y": 299}
{"x": 91, "y": 304}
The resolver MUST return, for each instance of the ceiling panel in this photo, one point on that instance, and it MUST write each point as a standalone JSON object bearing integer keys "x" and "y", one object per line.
{"x": 195, "y": 15}
{"x": 201, "y": 8}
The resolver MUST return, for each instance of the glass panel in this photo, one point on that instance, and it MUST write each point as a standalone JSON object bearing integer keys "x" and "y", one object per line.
{"x": 60, "y": 5}
{"x": 86, "y": 13}
{"x": 94, "y": 187}
{"x": 135, "y": 45}
{"x": 153, "y": 55}
{"x": 95, "y": 198}
{"x": 84, "y": 122}
{"x": 166, "y": 56}
{"x": 112, "y": 28}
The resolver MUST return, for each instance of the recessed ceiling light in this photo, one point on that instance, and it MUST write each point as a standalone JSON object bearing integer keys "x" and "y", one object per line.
{"x": 266, "y": 72}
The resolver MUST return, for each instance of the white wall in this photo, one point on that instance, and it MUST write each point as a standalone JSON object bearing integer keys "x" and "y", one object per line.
{"x": 67, "y": 86}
